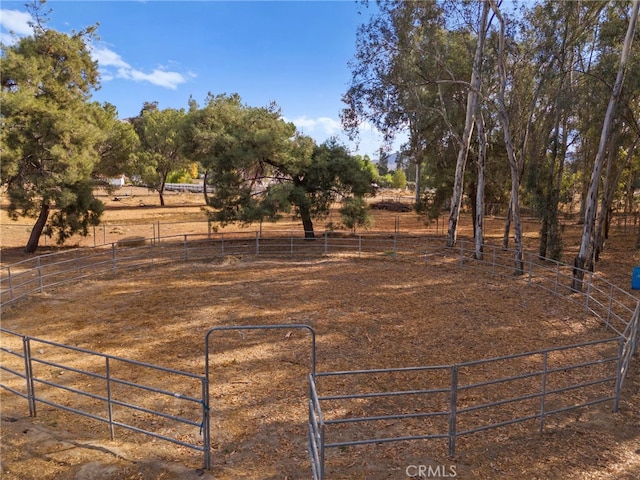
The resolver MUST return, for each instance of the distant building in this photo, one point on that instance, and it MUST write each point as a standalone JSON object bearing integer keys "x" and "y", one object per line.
{"x": 117, "y": 181}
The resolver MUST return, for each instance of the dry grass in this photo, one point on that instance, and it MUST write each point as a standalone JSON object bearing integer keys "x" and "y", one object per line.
{"x": 368, "y": 313}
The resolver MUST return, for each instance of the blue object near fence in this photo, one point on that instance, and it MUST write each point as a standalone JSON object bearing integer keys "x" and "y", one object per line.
{"x": 635, "y": 279}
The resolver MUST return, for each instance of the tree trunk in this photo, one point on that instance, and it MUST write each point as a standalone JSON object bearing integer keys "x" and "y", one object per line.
{"x": 555, "y": 240}
{"x": 587, "y": 242}
{"x": 472, "y": 102}
{"x": 417, "y": 189}
{"x": 307, "y": 223}
{"x": 507, "y": 227}
{"x": 514, "y": 164}
{"x": 204, "y": 187}
{"x": 163, "y": 182}
{"x": 605, "y": 203}
{"x": 36, "y": 231}
{"x": 479, "y": 214}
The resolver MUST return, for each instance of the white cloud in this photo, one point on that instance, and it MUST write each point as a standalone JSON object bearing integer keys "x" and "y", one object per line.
{"x": 158, "y": 77}
{"x": 16, "y": 24}
{"x": 113, "y": 66}
{"x": 368, "y": 142}
{"x": 16, "y": 21}
{"x": 322, "y": 125}
{"x": 108, "y": 58}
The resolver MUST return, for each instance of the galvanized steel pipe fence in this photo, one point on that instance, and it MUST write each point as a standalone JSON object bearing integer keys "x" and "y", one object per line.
{"x": 110, "y": 389}
{"x": 448, "y": 402}
{"x": 605, "y": 361}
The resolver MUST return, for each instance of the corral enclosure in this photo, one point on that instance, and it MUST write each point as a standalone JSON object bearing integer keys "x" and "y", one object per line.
{"x": 376, "y": 312}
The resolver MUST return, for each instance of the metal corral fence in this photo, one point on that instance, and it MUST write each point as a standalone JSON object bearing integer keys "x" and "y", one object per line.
{"x": 111, "y": 232}
{"x": 540, "y": 383}
{"x": 113, "y": 390}
{"x": 37, "y": 274}
{"x": 452, "y": 401}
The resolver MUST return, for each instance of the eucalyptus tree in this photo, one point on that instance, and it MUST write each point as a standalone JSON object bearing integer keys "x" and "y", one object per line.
{"x": 160, "y": 151}
{"x": 469, "y": 123}
{"x": 50, "y": 134}
{"x": 587, "y": 246}
{"x": 625, "y": 132}
{"x": 411, "y": 71}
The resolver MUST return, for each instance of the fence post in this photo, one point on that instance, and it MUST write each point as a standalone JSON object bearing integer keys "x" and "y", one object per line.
{"x": 222, "y": 242}
{"x": 206, "y": 424}
{"x": 635, "y": 329}
{"x": 322, "y": 451}
{"x": 158, "y": 232}
{"x": 153, "y": 253}
{"x": 39, "y": 268}
{"x": 113, "y": 257}
{"x": 359, "y": 245}
{"x": 291, "y": 243}
{"x": 28, "y": 373}
{"x": 95, "y": 242}
{"x": 154, "y": 233}
{"x": 453, "y": 401}
{"x": 588, "y": 294}
{"x": 109, "y": 404}
{"x": 395, "y": 243}
{"x": 493, "y": 260}
{"x": 325, "y": 243}
{"x": 186, "y": 252}
{"x": 610, "y": 307}
{"x": 530, "y": 268}
{"x": 257, "y": 243}
{"x": 10, "y": 283}
{"x": 544, "y": 388}
{"x": 619, "y": 375}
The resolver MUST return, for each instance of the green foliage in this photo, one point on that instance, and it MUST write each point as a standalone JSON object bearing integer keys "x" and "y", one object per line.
{"x": 258, "y": 167}
{"x": 161, "y": 146}
{"x": 355, "y": 213}
{"x": 76, "y": 211}
{"x": 367, "y": 164}
{"x": 399, "y": 179}
{"x": 119, "y": 145}
{"x": 51, "y": 137}
{"x": 180, "y": 176}
{"x": 386, "y": 180}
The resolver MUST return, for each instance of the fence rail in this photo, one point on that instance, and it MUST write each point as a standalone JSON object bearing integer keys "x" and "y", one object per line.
{"x": 104, "y": 388}
{"x": 452, "y": 408}
{"x": 598, "y": 378}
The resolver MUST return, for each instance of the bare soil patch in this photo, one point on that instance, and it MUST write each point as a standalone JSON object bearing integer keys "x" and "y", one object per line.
{"x": 369, "y": 313}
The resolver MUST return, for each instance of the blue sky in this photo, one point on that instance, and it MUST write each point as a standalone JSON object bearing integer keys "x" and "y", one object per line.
{"x": 295, "y": 53}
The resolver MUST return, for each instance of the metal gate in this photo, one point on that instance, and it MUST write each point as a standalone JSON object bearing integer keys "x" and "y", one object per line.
{"x": 207, "y": 421}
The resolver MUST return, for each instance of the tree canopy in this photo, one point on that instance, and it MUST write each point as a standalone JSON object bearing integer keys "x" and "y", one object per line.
{"x": 259, "y": 167}
{"x": 161, "y": 146}
{"x": 534, "y": 82}
{"x": 50, "y": 134}
{"x": 532, "y": 107}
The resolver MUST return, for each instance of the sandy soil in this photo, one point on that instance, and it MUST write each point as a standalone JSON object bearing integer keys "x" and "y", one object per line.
{"x": 368, "y": 313}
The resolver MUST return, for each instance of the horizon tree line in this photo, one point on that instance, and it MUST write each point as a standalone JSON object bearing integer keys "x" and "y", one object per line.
{"x": 534, "y": 106}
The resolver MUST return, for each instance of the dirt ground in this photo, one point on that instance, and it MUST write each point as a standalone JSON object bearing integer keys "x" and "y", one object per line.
{"x": 368, "y": 313}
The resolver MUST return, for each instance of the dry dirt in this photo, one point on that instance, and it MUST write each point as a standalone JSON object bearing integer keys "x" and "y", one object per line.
{"x": 368, "y": 313}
